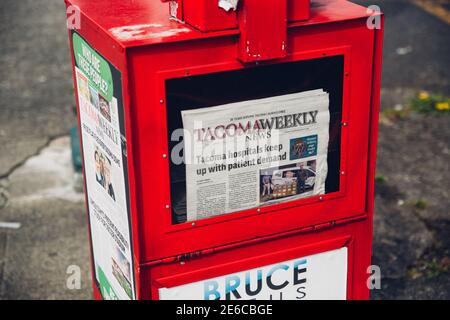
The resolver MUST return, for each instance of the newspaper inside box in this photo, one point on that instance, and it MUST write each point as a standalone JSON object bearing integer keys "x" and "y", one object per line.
{"x": 254, "y": 137}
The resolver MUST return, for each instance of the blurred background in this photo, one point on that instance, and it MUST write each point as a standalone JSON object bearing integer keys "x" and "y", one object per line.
{"x": 43, "y": 227}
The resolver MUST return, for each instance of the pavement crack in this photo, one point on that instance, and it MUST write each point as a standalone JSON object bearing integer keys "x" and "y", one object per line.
{"x": 3, "y": 198}
{"x": 19, "y": 164}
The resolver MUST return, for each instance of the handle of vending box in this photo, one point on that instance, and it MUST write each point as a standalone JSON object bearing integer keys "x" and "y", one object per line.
{"x": 262, "y": 26}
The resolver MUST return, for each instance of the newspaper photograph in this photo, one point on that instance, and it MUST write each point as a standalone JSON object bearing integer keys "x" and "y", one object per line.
{"x": 254, "y": 153}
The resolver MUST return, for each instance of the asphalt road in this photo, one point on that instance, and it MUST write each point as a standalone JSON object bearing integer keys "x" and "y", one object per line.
{"x": 35, "y": 78}
{"x": 38, "y": 185}
{"x": 36, "y": 106}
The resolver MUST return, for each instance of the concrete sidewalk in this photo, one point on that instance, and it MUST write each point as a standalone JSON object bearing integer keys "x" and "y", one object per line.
{"x": 40, "y": 193}
{"x": 36, "y": 175}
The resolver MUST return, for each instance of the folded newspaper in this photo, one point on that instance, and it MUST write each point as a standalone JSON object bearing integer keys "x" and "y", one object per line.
{"x": 254, "y": 153}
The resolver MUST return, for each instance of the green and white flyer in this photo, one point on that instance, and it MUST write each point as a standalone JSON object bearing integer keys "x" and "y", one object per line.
{"x": 99, "y": 87}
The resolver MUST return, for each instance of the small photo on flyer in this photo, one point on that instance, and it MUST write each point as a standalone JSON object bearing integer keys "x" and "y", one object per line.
{"x": 93, "y": 97}
{"x": 122, "y": 271}
{"x": 287, "y": 181}
{"x": 83, "y": 86}
{"x": 103, "y": 172}
{"x": 105, "y": 108}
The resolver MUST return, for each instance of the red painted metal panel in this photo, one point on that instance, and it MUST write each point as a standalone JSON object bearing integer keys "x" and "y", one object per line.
{"x": 298, "y": 10}
{"x": 263, "y": 27}
{"x": 206, "y": 15}
{"x": 374, "y": 116}
{"x": 353, "y": 236}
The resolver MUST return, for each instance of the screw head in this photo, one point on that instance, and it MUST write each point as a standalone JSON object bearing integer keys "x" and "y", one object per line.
{"x": 161, "y": 101}
{"x": 258, "y": 210}
{"x": 343, "y": 173}
{"x": 182, "y": 262}
{"x": 167, "y": 206}
{"x": 164, "y": 155}
{"x": 320, "y": 198}
{"x": 193, "y": 224}
{"x": 344, "y": 124}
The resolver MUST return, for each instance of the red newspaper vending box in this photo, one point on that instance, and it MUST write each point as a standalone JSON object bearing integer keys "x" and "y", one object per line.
{"x": 229, "y": 146}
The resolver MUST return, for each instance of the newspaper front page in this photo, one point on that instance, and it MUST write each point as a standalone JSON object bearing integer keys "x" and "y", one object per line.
{"x": 254, "y": 153}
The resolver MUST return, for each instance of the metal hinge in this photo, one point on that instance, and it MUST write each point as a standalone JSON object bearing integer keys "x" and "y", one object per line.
{"x": 183, "y": 258}
{"x": 188, "y": 256}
